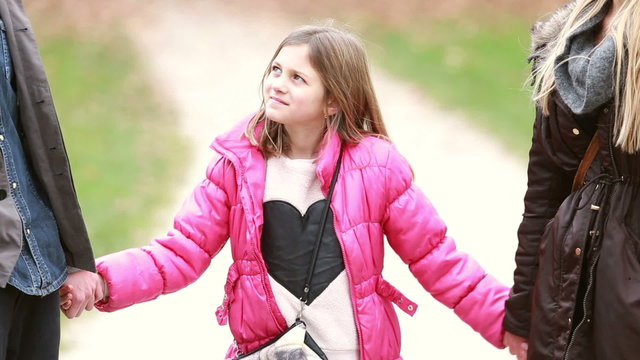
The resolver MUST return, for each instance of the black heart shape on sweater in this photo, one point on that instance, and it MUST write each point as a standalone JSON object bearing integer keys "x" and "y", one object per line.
{"x": 287, "y": 246}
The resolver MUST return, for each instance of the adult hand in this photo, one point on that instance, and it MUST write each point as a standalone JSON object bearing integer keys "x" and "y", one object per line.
{"x": 517, "y": 345}
{"x": 81, "y": 290}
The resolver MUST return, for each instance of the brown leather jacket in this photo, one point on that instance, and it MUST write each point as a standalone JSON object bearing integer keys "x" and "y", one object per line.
{"x": 43, "y": 143}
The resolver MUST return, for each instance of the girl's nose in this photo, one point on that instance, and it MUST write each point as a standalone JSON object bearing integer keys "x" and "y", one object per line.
{"x": 278, "y": 85}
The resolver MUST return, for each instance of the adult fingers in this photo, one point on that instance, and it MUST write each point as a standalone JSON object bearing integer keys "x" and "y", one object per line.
{"x": 89, "y": 306}
{"x": 73, "y": 311}
{"x": 78, "y": 313}
{"x": 66, "y": 313}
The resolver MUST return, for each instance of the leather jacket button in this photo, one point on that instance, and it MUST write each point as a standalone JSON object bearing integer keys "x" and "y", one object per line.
{"x": 576, "y": 131}
{"x": 605, "y": 110}
{"x": 3, "y": 194}
{"x": 578, "y": 251}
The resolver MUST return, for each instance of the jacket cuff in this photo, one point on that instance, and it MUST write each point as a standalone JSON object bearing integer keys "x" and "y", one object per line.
{"x": 517, "y": 320}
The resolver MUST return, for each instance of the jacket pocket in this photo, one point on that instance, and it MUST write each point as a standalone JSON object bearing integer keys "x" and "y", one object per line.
{"x": 222, "y": 312}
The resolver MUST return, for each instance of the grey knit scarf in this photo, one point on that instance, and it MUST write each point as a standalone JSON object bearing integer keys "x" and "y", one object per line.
{"x": 584, "y": 71}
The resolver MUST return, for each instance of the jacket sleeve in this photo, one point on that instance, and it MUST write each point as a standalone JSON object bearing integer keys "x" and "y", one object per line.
{"x": 177, "y": 259}
{"x": 550, "y": 175}
{"x": 416, "y": 232}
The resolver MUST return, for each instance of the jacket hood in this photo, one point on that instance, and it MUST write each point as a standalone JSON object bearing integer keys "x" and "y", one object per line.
{"x": 544, "y": 33}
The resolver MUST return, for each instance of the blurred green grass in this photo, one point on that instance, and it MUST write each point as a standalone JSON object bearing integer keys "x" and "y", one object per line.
{"x": 122, "y": 141}
{"x": 471, "y": 63}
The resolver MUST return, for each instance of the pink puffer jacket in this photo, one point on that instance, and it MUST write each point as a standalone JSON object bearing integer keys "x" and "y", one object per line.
{"x": 374, "y": 196}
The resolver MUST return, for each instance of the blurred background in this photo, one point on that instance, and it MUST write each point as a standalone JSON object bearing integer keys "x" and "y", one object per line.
{"x": 141, "y": 89}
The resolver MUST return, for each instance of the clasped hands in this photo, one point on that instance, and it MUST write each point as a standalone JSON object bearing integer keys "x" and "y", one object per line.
{"x": 517, "y": 345}
{"x": 80, "y": 292}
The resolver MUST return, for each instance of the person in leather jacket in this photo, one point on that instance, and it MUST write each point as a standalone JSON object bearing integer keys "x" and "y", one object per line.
{"x": 576, "y": 291}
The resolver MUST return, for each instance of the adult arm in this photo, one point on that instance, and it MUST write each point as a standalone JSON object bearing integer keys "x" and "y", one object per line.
{"x": 550, "y": 174}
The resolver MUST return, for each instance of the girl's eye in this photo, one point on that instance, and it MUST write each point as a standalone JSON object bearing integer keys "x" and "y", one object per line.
{"x": 298, "y": 78}
{"x": 275, "y": 69}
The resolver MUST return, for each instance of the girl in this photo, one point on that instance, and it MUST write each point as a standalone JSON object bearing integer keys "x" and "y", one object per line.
{"x": 576, "y": 286}
{"x": 318, "y": 147}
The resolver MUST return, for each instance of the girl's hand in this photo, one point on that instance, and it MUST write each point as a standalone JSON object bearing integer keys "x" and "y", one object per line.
{"x": 66, "y": 297}
{"x": 517, "y": 345}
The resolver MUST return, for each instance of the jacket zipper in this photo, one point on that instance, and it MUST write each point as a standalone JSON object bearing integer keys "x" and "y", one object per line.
{"x": 594, "y": 234}
{"x": 584, "y": 308}
{"x": 595, "y": 261}
{"x": 351, "y": 288}
{"x": 593, "y": 243}
{"x": 240, "y": 175}
{"x": 613, "y": 160}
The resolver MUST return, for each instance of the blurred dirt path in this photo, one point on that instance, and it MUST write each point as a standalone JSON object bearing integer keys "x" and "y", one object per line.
{"x": 207, "y": 59}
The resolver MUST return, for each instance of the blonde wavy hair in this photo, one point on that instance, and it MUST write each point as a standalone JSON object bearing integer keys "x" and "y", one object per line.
{"x": 625, "y": 29}
{"x": 340, "y": 59}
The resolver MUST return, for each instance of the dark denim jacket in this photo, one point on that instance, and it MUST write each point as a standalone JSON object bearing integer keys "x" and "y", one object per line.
{"x": 41, "y": 267}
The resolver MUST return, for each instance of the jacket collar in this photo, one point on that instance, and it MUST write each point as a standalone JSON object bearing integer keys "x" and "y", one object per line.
{"x": 235, "y": 144}
{"x": 249, "y": 160}
{"x": 4, "y": 14}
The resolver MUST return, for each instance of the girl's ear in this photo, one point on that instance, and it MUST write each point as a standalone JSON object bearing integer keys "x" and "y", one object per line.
{"x": 332, "y": 107}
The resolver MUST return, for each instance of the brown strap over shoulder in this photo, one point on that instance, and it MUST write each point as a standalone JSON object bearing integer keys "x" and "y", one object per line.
{"x": 589, "y": 156}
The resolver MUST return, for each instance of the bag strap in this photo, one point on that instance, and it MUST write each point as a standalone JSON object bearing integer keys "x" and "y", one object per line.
{"x": 316, "y": 246}
{"x": 585, "y": 163}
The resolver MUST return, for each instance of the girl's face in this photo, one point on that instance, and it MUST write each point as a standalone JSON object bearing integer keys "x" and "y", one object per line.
{"x": 293, "y": 91}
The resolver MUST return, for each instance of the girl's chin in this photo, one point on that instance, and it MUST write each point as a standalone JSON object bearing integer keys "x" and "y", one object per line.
{"x": 273, "y": 115}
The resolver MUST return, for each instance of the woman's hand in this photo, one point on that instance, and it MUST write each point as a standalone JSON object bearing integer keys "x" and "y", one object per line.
{"x": 517, "y": 345}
